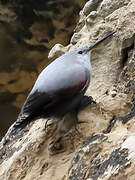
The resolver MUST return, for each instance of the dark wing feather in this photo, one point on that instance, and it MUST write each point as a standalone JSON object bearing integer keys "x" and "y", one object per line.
{"x": 35, "y": 101}
{"x": 28, "y": 112}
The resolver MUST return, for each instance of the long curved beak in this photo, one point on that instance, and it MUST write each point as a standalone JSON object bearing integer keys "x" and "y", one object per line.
{"x": 100, "y": 40}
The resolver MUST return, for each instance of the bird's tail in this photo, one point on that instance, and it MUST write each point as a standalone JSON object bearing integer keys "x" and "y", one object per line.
{"x": 16, "y": 128}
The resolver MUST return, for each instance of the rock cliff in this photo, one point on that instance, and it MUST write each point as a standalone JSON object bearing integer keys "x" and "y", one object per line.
{"x": 105, "y": 147}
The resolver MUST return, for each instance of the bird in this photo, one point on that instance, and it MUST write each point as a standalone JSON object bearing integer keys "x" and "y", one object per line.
{"x": 60, "y": 88}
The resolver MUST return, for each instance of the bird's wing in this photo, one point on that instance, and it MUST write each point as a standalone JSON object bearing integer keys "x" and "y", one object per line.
{"x": 49, "y": 91}
{"x": 34, "y": 102}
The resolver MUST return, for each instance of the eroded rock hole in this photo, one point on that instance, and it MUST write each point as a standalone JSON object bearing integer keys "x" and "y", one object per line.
{"x": 126, "y": 53}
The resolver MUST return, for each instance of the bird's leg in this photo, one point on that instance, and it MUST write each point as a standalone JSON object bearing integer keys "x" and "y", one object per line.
{"x": 68, "y": 110}
{"x": 75, "y": 119}
{"x": 63, "y": 127}
{"x": 67, "y": 122}
{"x": 75, "y": 123}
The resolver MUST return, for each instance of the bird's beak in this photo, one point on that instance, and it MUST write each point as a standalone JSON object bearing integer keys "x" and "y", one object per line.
{"x": 100, "y": 40}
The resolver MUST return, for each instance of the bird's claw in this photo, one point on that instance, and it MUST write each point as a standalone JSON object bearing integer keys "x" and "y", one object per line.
{"x": 46, "y": 123}
{"x": 86, "y": 100}
{"x": 90, "y": 99}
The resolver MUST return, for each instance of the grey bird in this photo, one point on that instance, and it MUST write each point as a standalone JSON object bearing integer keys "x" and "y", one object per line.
{"x": 59, "y": 89}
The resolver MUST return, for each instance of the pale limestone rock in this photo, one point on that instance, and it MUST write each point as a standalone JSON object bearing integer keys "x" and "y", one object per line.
{"x": 91, "y": 5}
{"x": 109, "y": 6}
{"x": 56, "y": 51}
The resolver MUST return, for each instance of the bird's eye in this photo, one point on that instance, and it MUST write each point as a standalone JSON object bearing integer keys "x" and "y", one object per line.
{"x": 80, "y": 52}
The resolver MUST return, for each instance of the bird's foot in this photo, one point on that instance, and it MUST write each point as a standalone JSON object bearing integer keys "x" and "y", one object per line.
{"x": 85, "y": 101}
{"x": 46, "y": 123}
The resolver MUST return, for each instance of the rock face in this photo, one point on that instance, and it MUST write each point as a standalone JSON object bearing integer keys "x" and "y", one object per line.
{"x": 104, "y": 148}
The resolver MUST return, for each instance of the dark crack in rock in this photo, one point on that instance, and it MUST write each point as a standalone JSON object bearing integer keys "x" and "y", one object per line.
{"x": 80, "y": 165}
{"x": 126, "y": 82}
{"x": 89, "y": 163}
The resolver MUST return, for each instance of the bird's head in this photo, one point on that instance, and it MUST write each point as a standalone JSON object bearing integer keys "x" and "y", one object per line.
{"x": 83, "y": 51}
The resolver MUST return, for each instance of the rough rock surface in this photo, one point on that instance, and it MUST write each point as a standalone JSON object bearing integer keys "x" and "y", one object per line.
{"x": 105, "y": 147}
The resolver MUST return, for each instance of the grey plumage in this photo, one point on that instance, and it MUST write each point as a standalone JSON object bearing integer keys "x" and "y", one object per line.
{"x": 58, "y": 89}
